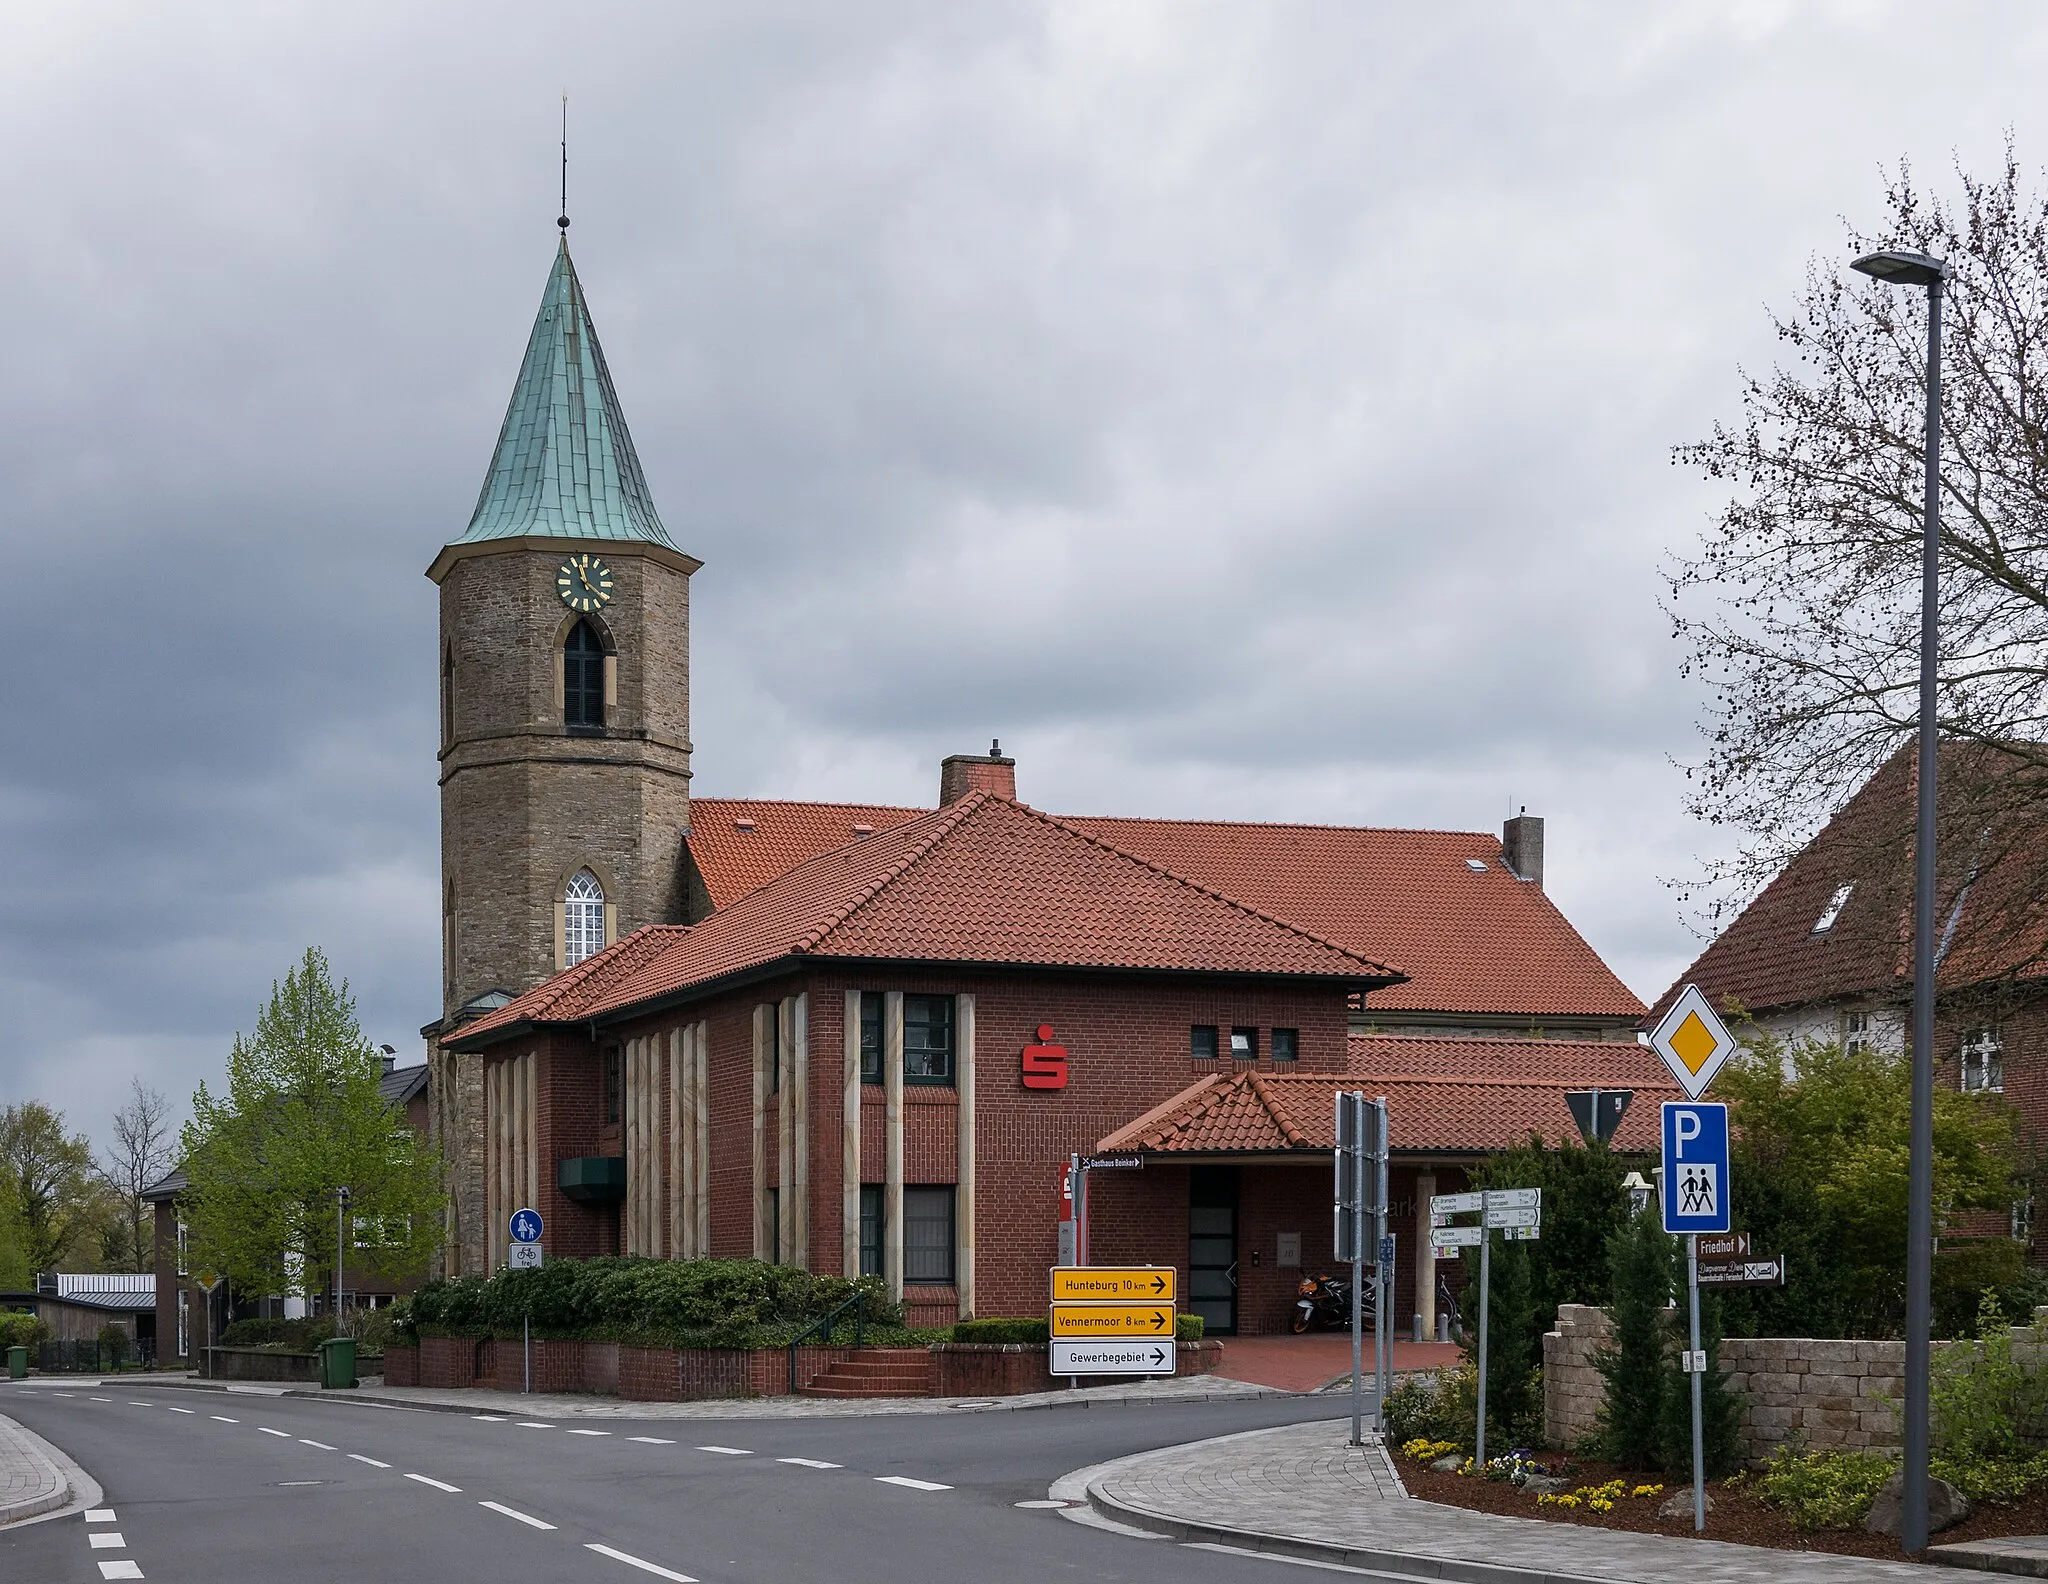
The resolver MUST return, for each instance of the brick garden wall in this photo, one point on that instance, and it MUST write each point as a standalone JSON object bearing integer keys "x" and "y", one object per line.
{"x": 1826, "y": 1393}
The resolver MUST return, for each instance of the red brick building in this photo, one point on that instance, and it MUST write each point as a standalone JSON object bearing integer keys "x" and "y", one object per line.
{"x": 860, "y": 1038}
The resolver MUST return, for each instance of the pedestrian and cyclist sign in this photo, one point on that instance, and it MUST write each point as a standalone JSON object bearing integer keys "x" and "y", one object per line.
{"x": 525, "y": 1252}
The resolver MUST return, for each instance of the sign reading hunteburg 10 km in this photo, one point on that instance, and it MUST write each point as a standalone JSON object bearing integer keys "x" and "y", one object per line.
{"x": 1112, "y": 1320}
{"x": 1694, "y": 1045}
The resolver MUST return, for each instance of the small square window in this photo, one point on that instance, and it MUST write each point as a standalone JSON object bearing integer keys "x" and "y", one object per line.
{"x": 1202, "y": 1042}
{"x": 1286, "y": 1044}
{"x": 1244, "y": 1044}
{"x": 1857, "y": 1028}
{"x": 2023, "y": 1220}
{"x": 1983, "y": 1062}
{"x": 870, "y": 1037}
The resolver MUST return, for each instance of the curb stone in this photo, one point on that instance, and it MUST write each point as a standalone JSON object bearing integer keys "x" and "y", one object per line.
{"x": 49, "y": 1475}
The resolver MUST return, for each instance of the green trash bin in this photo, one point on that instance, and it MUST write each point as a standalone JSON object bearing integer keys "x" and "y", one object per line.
{"x": 338, "y": 1363}
{"x": 17, "y": 1363}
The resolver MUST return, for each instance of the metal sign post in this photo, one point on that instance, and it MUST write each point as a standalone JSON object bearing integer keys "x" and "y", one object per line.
{"x": 1516, "y": 1211}
{"x": 526, "y": 1227}
{"x": 1695, "y": 1201}
{"x": 1485, "y": 1292}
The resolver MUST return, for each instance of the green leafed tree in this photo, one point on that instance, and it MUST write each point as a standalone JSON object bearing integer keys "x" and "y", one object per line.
{"x": 48, "y": 1186}
{"x": 302, "y": 1116}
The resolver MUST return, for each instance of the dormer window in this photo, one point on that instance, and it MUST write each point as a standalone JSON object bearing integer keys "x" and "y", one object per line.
{"x": 1833, "y": 910}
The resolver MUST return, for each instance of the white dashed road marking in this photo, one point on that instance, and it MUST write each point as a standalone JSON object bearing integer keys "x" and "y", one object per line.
{"x": 102, "y": 1399}
{"x": 322, "y": 1445}
{"x": 534, "y": 1424}
{"x": 63, "y": 1394}
{"x": 123, "y": 1569}
{"x": 107, "y": 1540}
{"x": 224, "y": 1419}
{"x": 509, "y": 1512}
{"x": 652, "y": 1440}
{"x": 132, "y": 1403}
{"x": 590, "y": 1432}
{"x": 909, "y": 1483}
{"x": 437, "y": 1484}
{"x": 169, "y": 1409}
{"x": 728, "y": 1451}
{"x": 285, "y": 1434}
{"x": 371, "y": 1461}
{"x": 99, "y": 1515}
{"x": 487, "y": 1418}
{"x": 643, "y": 1566}
{"x": 809, "y": 1463}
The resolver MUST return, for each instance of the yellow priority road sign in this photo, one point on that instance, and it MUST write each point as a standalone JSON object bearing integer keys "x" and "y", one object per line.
{"x": 1112, "y": 1320}
{"x": 1693, "y": 1042}
{"x": 1106, "y": 1283}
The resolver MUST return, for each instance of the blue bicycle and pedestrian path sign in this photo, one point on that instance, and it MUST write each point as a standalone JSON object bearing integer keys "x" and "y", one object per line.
{"x": 1695, "y": 1166}
{"x": 525, "y": 1253}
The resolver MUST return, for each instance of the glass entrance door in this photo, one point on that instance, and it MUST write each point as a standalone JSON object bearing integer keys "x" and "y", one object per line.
{"x": 1212, "y": 1247}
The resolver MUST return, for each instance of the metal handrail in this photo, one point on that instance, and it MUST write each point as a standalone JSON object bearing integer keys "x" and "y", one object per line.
{"x": 857, "y": 1303}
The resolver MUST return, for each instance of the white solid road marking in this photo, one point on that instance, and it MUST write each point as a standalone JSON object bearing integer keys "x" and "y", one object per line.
{"x": 224, "y": 1419}
{"x": 371, "y": 1461}
{"x": 728, "y": 1451}
{"x": 169, "y": 1409}
{"x": 809, "y": 1463}
{"x": 651, "y": 1440}
{"x": 322, "y": 1445}
{"x": 645, "y": 1567}
{"x": 108, "y": 1540}
{"x": 1272, "y": 1556}
{"x": 455, "y": 1489}
{"x": 122, "y": 1569}
{"x": 99, "y": 1515}
{"x": 286, "y": 1434}
{"x": 910, "y": 1484}
{"x": 590, "y": 1432}
{"x": 509, "y": 1512}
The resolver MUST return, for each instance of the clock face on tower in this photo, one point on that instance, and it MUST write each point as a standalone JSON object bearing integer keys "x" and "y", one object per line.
{"x": 584, "y": 582}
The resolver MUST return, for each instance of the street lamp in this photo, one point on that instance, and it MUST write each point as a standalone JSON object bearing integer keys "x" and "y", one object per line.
{"x": 1638, "y": 1189}
{"x": 340, "y": 1243}
{"x": 1899, "y": 268}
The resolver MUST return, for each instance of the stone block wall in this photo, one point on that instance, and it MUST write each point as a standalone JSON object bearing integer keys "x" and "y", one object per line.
{"x": 1825, "y": 1393}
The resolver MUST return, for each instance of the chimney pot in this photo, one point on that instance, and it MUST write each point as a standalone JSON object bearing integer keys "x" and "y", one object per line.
{"x": 1521, "y": 846}
{"x": 960, "y": 774}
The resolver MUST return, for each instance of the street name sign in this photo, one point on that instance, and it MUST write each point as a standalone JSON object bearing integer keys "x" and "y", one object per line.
{"x": 1112, "y": 1320}
{"x": 1695, "y": 1166}
{"x": 1453, "y": 1204}
{"x": 526, "y": 1225}
{"x": 1112, "y": 1163}
{"x": 1111, "y": 1283}
{"x": 1731, "y": 1246}
{"x": 1455, "y": 1237}
{"x": 1112, "y": 1358}
{"x": 1692, "y": 1041}
{"x": 1514, "y": 1216}
{"x": 524, "y": 1256}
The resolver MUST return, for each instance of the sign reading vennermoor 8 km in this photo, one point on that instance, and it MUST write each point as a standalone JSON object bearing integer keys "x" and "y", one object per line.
{"x": 1112, "y": 1320}
{"x": 1113, "y": 1283}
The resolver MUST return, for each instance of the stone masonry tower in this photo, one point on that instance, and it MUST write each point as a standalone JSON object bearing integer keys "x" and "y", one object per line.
{"x": 565, "y": 714}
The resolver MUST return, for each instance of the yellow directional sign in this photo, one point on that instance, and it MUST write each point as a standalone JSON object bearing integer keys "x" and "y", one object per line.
{"x": 1693, "y": 1042}
{"x": 1112, "y": 1320}
{"x": 1107, "y": 1283}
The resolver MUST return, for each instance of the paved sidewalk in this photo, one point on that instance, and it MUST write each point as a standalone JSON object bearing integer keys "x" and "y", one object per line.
{"x": 1320, "y": 1359}
{"x": 1300, "y": 1490}
{"x": 29, "y": 1482}
{"x": 479, "y": 1400}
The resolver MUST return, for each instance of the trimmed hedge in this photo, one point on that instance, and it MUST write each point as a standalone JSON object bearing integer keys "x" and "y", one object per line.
{"x": 1187, "y": 1328}
{"x": 672, "y": 1303}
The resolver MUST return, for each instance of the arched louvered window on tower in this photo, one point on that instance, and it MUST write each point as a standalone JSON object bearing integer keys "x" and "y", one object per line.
{"x": 582, "y": 918}
{"x": 583, "y": 679}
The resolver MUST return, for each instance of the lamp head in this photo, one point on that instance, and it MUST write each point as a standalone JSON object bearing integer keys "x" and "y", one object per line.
{"x": 1896, "y": 267}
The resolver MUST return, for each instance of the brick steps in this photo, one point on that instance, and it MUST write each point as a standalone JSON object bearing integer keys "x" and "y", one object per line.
{"x": 876, "y": 1372}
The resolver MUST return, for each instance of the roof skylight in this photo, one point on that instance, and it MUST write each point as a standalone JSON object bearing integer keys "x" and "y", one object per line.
{"x": 1477, "y": 865}
{"x": 1833, "y": 910}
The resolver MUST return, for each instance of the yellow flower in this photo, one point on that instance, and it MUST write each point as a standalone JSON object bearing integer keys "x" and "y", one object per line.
{"x": 1647, "y": 1490}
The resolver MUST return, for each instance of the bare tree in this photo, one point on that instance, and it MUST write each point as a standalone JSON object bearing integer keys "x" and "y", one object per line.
{"x": 1801, "y": 610}
{"x": 140, "y": 1152}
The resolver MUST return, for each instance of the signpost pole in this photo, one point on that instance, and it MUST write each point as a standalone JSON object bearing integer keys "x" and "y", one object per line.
{"x": 1699, "y": 1473}
{"x": 1485, "y": 1288}
{"x": 526, "y": 1344}
{"x": 1383, "y": 1342}
{"x": 1356, "y": 1213}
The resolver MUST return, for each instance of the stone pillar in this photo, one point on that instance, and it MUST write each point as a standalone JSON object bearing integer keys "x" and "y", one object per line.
{"x": 763, "y": 1040}
{"x": 700, "y": 1076}
{"x": 785, "y": 1130}
{"x": 681, "y": 1134}
{"x": 795, "y": 1048}
{"x": 849, "y": 1141}
{"x": 892, "y": 1134}
{"x": 963, "y": 1192}
{"x": 1425, "y": 1256}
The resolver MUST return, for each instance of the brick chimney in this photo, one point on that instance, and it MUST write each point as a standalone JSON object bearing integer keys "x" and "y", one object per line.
{"x": 1521, "y": 844}
{"x": 960, "y": 774}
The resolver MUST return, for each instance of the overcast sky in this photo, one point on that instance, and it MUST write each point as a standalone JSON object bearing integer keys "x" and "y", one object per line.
{"x": 1257, "y": 411}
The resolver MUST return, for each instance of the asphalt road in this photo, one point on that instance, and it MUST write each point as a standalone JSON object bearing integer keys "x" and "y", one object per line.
{"x": 220, "y": 1488}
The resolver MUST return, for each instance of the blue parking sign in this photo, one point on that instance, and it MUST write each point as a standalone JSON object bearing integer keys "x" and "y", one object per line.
{"x": 1695, "y": 1166}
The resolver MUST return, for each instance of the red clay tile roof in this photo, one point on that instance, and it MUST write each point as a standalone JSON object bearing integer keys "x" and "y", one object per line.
{"x": 1987, "y": 904}
{"x": 739, "y": 844}
{"x": 1472, "y": 941}
{"x": 983, "y": 880}
{"x": 1269, "y": 1113}
{"x": 1616, "y": 1064}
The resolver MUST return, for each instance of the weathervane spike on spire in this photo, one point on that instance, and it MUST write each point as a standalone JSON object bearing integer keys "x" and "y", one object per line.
{"x": 563, "y": 221}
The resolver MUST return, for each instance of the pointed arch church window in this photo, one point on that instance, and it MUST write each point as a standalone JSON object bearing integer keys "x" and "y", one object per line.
{"x": 582, "y": 918}
{"x": 583, "y": 679}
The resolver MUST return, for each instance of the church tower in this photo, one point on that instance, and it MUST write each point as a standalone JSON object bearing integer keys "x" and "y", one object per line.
{"x": 564, "y": 677}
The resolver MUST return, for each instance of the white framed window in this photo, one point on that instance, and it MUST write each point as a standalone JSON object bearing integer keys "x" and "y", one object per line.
{"x": 2023, "y": 1220}
{"x": 184, "y": 1324}
{"x": 1833, "y": 910}
{"x": 1983, "y": 1062}
{"x": 582, "y": 918}
{"x": 1858, "y": 1028}
{"x": 184, "y": 1263}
